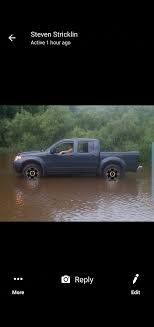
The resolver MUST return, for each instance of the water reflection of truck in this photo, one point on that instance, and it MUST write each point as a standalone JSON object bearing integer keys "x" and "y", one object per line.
{"x": 76, "y": 156}
{"x": 61, "y": 198}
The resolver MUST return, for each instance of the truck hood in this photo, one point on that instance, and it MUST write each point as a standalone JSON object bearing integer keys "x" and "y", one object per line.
{"x": 31, "y": 153}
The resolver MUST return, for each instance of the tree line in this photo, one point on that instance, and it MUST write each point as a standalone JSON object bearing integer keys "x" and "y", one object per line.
{"x": 119, "y": 128}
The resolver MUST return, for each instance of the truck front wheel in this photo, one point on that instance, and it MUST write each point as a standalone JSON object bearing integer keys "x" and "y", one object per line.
{"x": 32, "y": 171}
{"x": 112, "y": 172}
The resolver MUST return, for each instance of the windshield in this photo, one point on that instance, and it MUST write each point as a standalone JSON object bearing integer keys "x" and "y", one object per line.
{"x": 48, "y": 149}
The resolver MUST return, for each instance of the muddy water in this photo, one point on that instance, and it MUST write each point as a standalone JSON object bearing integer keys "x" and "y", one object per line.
{"x": 74, "y": 198}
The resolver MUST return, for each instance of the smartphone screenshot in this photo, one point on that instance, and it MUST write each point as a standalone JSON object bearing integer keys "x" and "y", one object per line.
{"x": 76, "y": 161}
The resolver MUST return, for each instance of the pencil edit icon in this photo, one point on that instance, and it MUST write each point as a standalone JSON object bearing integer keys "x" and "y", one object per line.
{"x": 135, "y": 278}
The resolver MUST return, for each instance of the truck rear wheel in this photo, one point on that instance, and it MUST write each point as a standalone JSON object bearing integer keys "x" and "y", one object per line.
{"x": 112, "y": 172}
{"x": 32, "y": 171}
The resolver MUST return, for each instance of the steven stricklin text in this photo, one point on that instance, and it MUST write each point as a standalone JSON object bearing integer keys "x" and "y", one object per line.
{"x": 55, "y": 34}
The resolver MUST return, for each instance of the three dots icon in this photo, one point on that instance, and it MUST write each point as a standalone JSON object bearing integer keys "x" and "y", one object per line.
{"x": 18, "y": 278}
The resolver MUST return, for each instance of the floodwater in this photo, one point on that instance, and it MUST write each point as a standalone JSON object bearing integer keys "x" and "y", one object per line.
{"x": 74, "y": 198}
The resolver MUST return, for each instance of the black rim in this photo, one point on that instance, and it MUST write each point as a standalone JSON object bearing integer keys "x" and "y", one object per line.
{"x": 32, "y": 173}
{"x": 112, "y": 174}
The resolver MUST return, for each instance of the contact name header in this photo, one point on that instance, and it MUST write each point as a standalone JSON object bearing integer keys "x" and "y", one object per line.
{"x": 67, "y": 34}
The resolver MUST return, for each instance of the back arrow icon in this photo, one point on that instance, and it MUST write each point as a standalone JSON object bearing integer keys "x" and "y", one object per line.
{"x": 11, "y": 37}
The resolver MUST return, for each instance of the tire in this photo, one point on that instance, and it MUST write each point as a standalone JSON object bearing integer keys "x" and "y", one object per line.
{"x": 32, "y": 171}
{"x": 112, "y": 172}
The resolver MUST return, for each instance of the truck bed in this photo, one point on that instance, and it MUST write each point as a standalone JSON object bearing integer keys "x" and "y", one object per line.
{"x": 131, "y": 158}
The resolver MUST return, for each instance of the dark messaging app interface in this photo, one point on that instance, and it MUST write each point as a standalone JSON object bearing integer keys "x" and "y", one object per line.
{"x": 101, "y": 35}
{"x": 76, "y": 165}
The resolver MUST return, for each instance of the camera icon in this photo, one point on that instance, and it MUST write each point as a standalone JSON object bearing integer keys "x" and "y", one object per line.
{"x": 65, "y": 279}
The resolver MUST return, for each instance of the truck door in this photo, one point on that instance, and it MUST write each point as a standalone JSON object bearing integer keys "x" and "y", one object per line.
{"x": 87, "y": 157}
{"x": 61, "y": 162}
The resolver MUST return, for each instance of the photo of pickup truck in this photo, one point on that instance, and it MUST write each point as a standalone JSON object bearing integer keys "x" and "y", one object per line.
{"x": 76, "y": 156}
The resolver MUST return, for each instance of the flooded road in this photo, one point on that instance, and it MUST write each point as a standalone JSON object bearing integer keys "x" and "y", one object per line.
{"x": 74, "y": 198}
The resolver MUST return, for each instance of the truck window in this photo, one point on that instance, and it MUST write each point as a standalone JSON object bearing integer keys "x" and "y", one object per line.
{"x": 64, "y": 147}
{"x": 85, "y": 147}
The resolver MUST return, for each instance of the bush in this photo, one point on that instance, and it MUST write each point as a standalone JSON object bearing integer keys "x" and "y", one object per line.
{"x": 119, "y": 128}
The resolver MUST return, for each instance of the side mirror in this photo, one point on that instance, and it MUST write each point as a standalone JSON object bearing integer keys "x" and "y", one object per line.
{"x": 53, "y": 150}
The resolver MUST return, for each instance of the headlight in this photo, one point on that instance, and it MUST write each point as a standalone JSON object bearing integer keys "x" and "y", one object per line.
{"x": 17, "y": 158}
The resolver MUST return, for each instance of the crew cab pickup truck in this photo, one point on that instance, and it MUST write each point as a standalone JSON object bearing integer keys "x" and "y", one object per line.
{"x": 76, "y": 156}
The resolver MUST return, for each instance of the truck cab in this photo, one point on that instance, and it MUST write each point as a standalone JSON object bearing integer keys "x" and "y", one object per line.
{"x": 84, "y": 157}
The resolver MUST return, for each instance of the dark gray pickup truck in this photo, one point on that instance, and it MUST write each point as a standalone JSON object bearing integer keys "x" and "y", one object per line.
{"x": 76, "y": 156}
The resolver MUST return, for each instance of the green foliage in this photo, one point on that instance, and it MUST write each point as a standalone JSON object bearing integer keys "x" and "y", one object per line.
{"x": 56, "y": 123}
{"x": 119, "y": 128}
